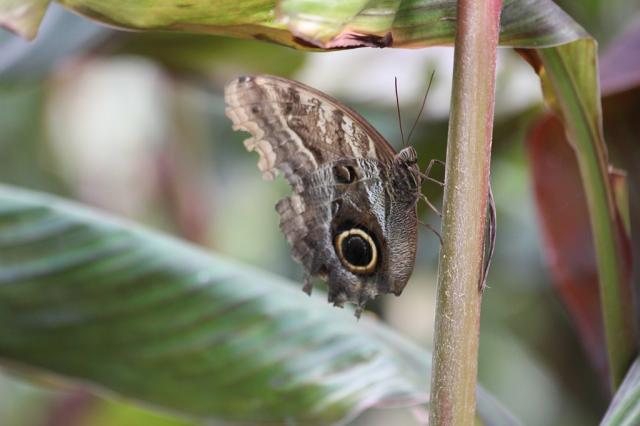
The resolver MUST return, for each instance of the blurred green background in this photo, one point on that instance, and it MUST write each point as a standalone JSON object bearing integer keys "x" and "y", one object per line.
{"x": 134, "y": 124}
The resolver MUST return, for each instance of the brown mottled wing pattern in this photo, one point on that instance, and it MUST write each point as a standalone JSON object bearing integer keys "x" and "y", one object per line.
{"x": 296, "y": 128}
{"x": 307, "y": 136}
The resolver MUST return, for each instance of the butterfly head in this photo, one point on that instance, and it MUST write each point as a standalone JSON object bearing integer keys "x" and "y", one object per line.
{"x": 407, "y": 155}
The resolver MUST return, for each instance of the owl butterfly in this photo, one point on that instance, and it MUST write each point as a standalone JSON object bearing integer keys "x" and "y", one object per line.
{"x": 351, "y": 219}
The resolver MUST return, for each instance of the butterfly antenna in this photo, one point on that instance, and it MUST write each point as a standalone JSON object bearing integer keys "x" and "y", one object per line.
{"x": 395, "y": 79}
{"x": 424, "y": 101}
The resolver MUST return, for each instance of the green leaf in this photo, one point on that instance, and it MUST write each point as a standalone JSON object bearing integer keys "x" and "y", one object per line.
{"x": 570, "y": 71}
{"x": 625, "y": 407}
{"x": 416, "y": 23}
{"x": 317, "y": 23}
{"x": 22, "y": 16}
{"x": 158, "y": 320}
{"x": 245, "y": 19}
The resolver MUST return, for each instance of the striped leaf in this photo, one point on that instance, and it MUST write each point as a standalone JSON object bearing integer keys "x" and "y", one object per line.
{"x": 158, "y": 320}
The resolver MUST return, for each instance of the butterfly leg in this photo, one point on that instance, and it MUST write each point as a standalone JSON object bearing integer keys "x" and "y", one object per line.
{"x": 428, "y": 170}
{"x": 431, "y": 206}
{"x": 432, "y": 229}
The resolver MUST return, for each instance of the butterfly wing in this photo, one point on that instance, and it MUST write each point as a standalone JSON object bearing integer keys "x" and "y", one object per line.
{"x": 297, "y": 129}
{"x": 337, "y": 164}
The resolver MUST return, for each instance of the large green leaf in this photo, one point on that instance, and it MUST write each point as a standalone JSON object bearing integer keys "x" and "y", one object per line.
{"x": 158, "y": 320}
{"x": 398, "y": 23}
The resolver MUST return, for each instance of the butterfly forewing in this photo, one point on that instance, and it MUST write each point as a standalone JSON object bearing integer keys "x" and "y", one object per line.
{"x": 289, "y": 120}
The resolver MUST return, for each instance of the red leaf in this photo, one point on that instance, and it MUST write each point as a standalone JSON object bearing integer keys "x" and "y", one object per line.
{"x": 566, "y": 233}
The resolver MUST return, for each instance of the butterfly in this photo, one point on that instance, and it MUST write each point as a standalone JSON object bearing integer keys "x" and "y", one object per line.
{"x": 352, "y": 217}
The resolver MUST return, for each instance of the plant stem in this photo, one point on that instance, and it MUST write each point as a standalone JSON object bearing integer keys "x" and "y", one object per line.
{"x": 453, "y": 382}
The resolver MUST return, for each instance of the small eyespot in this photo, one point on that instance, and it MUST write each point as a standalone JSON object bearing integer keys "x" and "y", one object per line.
{"x": 357, "y": 251}
{"x": 288, "y": 108}
{"x": 344, "y": 174}
{"x": 255, "y": 109}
